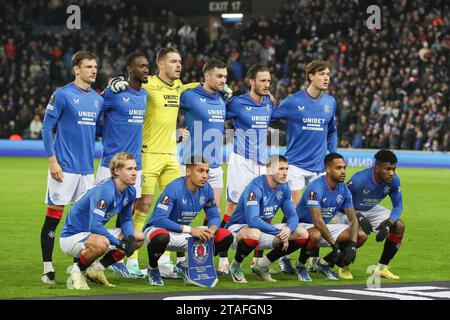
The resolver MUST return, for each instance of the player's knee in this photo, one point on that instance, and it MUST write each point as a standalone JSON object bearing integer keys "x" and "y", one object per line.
{"x": 223, "y": 235}
{"x": 399, "y": 226}
{"x": 314, "y": 235}
{"x": 159, "y": 240}
{"x": 101, "y": 245}
{"x": 253, "y": 234}
{"x": 223, "y": 240}
{"x": 301, "y": 233}
{"x": 362, "y": 238}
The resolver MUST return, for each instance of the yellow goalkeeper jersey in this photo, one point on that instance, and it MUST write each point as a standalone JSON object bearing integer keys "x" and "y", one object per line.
{"x": 160, "y": 121}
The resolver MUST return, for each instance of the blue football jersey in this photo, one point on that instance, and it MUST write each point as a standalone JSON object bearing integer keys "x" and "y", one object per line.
{"x": 74, "y": 111}
{"x": 318, "y": 195}
{"x": 259, "y": 203}
{"x": 204, "y": 116}
{"x": 250, "y": 120}
{"x": 97, "y": 206}
{"x": 311, "y": 129}
{"x": 123, "y": 117}
{"x": 367, "y": 193}
{"x": 178, "y": 206}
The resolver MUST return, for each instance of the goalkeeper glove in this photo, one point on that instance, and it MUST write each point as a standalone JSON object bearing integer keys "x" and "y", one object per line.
{"x": 227, "y": 92}
{"x": 117, "y": 84}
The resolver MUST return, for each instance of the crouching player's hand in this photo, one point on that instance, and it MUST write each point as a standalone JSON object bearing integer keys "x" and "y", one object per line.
{"x": 201, "y": 233}
{"x": 127, "y": 245}
{"x": 348, "y": 255}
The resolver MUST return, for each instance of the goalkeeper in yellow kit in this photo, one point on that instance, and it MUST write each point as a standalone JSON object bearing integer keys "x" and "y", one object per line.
{"x": 160, "y": 165}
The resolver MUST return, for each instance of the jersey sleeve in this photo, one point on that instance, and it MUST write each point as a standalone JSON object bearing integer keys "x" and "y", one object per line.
{"x": 126, "y": 215}
{"x": 108, "y": 97}
{"x": 332, "y": 133}
{"x": 289, "y": 211}
{"x": 187, "y": 86}
{"x": 55, "y": 108}
{"x": 56, "y": 104}
{"x": 396, "y": 198}
{"x": 281, "y": 111}
{"x": 211, "y": 210}
{"x": 99, "y": 125}
{"x": 348, "y": 201}
{"x": 184, "y": 101}
{"x": 231, "y": 109}
{"x": 99, "y": 204}
{"x": 252, "y": 203}
{"x": 354, "y": 184}
{"x": 165, "y": 205}
{"x": 314, "y": 197}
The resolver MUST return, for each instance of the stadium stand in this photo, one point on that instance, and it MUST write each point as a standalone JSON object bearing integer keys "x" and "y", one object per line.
{"x": 392, "y": 84}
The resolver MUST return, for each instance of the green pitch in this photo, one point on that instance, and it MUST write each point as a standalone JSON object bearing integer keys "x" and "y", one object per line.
{"x": 422, "y": 257}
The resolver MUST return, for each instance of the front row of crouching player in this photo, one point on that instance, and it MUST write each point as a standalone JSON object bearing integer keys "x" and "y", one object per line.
{"x": 306, "y": 227}
{"x": 179, "y": 204}
{"x": 84, "y": 235}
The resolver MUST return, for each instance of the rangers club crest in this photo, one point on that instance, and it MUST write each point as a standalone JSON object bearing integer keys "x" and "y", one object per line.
{"x": 202, "y": 201}
{"x": 326, "y": 108}
{"x": 199, "y": 251}
{"x": 280, "y": 195}
{"x": 101, "y": 204}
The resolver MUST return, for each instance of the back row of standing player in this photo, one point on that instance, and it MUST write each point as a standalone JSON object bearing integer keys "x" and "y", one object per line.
{"x": 148, "y": 107}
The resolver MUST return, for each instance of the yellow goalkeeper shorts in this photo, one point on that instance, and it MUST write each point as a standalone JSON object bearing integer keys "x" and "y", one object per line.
{"x": 158, "y": 168}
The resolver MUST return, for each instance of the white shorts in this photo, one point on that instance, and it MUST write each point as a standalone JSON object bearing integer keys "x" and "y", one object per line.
{"x": 104, "y": 173}
{"x": 266, "y": 241}
{"x": 73, "y": 245}
{"x": 215, "y": 178}
{"x": 177, "y": 242}
{"x": 376, "y": 215}
{"x": 68, "y": 191}
{"x": 299, "y": 178}
{"x": 241, "y": 171}
{"x": 335, "y": 230}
